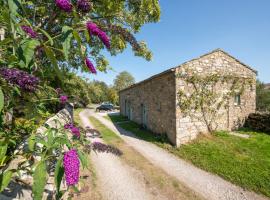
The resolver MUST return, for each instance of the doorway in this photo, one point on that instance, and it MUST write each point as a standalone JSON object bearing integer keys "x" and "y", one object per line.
{"x": 144, "y": 115}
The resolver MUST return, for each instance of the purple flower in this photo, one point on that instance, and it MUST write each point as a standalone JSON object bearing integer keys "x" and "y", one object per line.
{"x": 90, "y": 66}
{"x": 68, "y": 126}
{"x": 21, "y": 78}
{"x": 29, "y": 31}
{"x": 84, "y": 5}
{"x": 71, "y": 167}
{"x": 75, "y": 131}
{"x": 64, "y": 5}
{"x": 93, "y": 29}
{"x": 63, "y": 99}
{"x": 105, "y": 39}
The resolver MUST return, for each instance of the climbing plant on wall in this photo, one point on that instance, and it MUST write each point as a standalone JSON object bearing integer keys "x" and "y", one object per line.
{"x": 204, "y": 96}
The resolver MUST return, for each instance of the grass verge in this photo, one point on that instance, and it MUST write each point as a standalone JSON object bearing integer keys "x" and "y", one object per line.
{"x": 244, "y": 162}
{"x": 155, "y": 179}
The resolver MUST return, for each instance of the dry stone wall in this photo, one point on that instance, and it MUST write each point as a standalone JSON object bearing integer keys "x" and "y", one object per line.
{"x": 22, "y": 190}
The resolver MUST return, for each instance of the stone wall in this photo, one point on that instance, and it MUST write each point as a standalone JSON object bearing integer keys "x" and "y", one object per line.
{"x": 23, "y": 189}
{"x": 158, "y": 95}
{"x": 229, "y": 118}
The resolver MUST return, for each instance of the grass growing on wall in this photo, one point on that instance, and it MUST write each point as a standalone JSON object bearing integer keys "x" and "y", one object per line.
{"x": 245, "y": 162}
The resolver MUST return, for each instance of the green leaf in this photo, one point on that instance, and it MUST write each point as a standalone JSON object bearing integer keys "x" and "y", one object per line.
{"x": 5, "y": 179}
{"x": 83, "y": 158}
{"x": 13, "y": 5}
{"x": 58, "y": 174}
{"x": 5, "y": 41}
{"x": 47, "y": 35}
{"x": 66, "y": 39}
{"x": 87, "y": 36}
{"x": 31, "y": 142}
{"x": 79, "y": 41}
{"x": 26, "y": 52}
{"x": 1, "y": 99}
{"x": 50, "y": 138}
{"x": 61, "y": 141}
{"x": 51, "y": 57}
{"x": 40, "y": 178}
{"x": 3, "y": 151}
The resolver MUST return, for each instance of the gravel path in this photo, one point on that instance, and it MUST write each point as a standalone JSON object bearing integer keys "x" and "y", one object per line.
{"x": 117, "y": 180}
{"x": 210, "y": 186}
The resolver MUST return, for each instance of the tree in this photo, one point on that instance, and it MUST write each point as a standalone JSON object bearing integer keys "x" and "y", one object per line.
{"x": 43, "y": 42}
{"x": 262, "y": 97}
{"x": 123, "y": 80}
{"x": 77, "y": 90}
{"x": 112, "y": 95}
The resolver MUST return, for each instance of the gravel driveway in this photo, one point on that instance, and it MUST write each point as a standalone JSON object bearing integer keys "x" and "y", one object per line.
{"x": 210, "y": 186}
{"x": 117, "y": 180}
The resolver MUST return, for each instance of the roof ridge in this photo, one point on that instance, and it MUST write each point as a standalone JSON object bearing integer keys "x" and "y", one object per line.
{"x": 218, "y": 50}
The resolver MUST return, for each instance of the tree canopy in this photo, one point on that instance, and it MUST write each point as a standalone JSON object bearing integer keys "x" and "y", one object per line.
{"x": 43, "y": 44}
{"x": 123, "y": 80}
{"x": 262, "y": 97}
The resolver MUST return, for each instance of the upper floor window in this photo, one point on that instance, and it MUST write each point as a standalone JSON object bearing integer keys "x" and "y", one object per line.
{"x": 237, "y": 99}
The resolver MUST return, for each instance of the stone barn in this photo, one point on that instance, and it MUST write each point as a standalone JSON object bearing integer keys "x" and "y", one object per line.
{"x": 154, "y": 102}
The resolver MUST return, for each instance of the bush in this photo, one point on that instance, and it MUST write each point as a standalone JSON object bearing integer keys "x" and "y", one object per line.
{"x": 258, "y": 122}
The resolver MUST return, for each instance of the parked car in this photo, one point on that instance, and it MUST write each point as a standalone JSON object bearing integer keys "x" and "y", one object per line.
{"x": 107, "y": 103}
{"x": 105, "y": 107}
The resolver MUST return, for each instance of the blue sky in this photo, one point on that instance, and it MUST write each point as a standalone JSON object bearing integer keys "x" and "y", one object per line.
{"x": 190, "y": 28}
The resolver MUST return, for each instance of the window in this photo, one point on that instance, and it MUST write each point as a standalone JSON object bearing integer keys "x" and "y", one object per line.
{"x": 237, "y": 100}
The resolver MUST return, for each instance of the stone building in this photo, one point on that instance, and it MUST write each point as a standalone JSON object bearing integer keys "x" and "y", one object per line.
{"x": 153, "y": 102}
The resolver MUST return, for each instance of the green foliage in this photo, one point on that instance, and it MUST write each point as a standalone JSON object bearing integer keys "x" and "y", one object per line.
{"x": 98, "y": 91}
{"x": 58, "y": 174}
{"x": 25, "y": 126}
{"x": 67, "y": 36}
{"x": 40, "y": 178}
{"x": 123, "y": 80}
{"x": 5, "y": 178}
{"x": 204, "y": 99}
{"x": 244, "y": 162}
{"x": 26, "y": 52}
{"x": 262, "y": 97}
{"x": 112, "y": 96}
{"x": 3, "y": 151}
{"x": 58, "y": 50}
{"x": 1, "y": 99}
{"x": 107, "y": 134}
{"x": 78, "y": 90}
{"x": 53, "y": 60}
{"x": 159, "y": 139}
{"x": 31, "y": 142}
{"x": 83, "y": 158}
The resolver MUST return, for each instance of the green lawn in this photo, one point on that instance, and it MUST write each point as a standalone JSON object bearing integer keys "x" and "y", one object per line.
{"x": 107, "y": 134}
{"x": 116, "y": 118}
{"x": 245, "y": 162}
